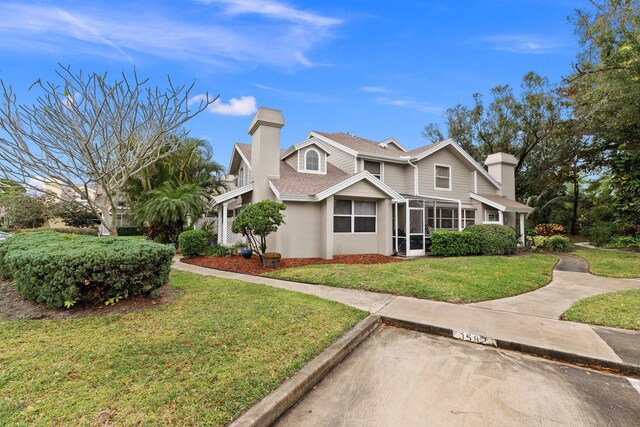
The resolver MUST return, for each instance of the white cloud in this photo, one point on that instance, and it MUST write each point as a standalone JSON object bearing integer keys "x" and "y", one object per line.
{"x": 127, "y": 32}
{"x": 276, "y": 10}
{"x": 374, "y": 89}
{"x": 522, "y": 43}
{"x": 243, "y": 106}
{"x": 422, "y": 106}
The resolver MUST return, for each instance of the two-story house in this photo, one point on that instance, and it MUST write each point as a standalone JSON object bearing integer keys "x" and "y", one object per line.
{"x": 349, "y": 195}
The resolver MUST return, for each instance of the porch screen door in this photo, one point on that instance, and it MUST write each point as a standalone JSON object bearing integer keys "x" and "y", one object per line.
{"x": 416, "y": 232}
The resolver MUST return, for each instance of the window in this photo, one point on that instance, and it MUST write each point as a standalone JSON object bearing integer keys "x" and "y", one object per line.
{"x": 354, "y": 216}
{"x": 374, "y": 168}
{"x": 240, "y": 182}
{"x": 469, "y": 217}
{"x": 442, "y": 177}
{"x": 312, "y": 160}
{"x": 491, "y": 215}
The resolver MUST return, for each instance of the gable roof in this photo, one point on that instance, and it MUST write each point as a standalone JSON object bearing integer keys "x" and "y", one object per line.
{"x": 361, "y": 146}
{"x": 307, "y": 142}
{"x": 500, "y": 202}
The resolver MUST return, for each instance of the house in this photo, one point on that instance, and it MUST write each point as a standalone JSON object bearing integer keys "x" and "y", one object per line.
{"x": 349, "y": 195}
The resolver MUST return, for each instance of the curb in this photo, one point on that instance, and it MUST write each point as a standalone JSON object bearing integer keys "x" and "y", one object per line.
{"x": 561, "y": 356}
{"x": 266, "y": 411}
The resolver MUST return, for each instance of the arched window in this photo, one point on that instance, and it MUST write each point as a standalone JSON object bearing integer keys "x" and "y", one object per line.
{"x": 312, "y": 160}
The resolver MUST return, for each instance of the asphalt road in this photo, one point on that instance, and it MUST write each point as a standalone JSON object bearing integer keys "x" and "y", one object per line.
{"x": 405, "y": 378}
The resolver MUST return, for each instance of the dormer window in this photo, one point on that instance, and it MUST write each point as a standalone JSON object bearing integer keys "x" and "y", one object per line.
{"x": 312, "y": 160}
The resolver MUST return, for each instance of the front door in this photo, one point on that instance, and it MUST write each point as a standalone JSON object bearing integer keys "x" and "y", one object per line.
{"x": 416, "y": 232}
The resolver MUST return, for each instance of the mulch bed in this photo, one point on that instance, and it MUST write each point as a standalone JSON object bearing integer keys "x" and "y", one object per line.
{"x": 238, "y": 264}
{"x": 13, "y": 307}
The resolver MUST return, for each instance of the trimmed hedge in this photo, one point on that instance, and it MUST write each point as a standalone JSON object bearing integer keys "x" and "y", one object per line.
{"x": 62, "y": 270}
{"x": 454, "y": 243}
{"x": 193, "y": 243}
{"x": 494, "y": 239}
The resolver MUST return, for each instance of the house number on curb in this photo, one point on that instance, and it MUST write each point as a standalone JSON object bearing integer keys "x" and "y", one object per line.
{"x": 475, "y": 338}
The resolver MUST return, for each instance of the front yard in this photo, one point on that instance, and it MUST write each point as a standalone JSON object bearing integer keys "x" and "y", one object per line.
{"x": 615, "y": 309}
{"x": 611, "y": 263}
{"x": 459, "y": 279}
{"x": 200, "y": 360}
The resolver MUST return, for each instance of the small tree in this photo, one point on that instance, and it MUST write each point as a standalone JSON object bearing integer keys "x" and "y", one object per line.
{"x": 75, "y": 214}
{"x": 257, "y": 221}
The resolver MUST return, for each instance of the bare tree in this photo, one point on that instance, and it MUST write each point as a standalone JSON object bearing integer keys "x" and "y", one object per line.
{"x": 89, "y": 132}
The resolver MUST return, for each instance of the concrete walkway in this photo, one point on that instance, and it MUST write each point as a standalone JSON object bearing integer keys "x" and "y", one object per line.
{"x": 571, "y": 283}
{"x": 540, "y": 332}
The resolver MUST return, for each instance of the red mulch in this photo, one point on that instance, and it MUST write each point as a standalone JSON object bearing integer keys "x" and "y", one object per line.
{"x": 238, "y": 264}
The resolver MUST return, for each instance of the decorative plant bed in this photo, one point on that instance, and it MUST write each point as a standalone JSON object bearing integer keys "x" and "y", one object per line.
{"x": 238, "y": 264}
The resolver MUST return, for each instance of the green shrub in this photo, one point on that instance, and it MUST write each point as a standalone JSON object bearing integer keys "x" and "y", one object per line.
{"x": 129, "y": 231}
{"x": 61, "y": 270}
{"x": 558, "y": 244}
{"x": 454, "y": 243}
{"x": 218, "y": 250}
{"x": 602, "y": 233}
{"x": 536, "y": 242}
{"x": 624, "y": 242}
{"x": 494, "y": 239}
{"x": 193, "y": 243}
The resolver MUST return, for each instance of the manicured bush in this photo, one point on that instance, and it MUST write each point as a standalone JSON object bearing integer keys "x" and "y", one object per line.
{"x": 558, "y": 244}
{"x": 129, "y": 231}
{"x": 548, "y": 229}
{"x": 454, "y": 243}
{"x": 494, "y": 239}
{"x": 536, "y": 242}
{"x": 217, "y": 250}
{"x": 193, "y": 243}
{"x": 61, "y": 270}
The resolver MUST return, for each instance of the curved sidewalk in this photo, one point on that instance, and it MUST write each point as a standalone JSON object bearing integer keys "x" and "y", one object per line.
{"x": 571, "y": 282}
{"x": 572, "y": 342}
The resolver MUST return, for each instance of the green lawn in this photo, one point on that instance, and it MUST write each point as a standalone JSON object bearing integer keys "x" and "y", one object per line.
{"x": 611, "y": 263}
{"x": 616, "y": 309}
{"x": 200, "y": 360}
{"x": 459, "y": 279}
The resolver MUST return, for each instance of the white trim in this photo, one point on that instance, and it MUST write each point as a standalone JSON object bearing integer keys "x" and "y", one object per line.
{"x": 435, "y": 176}
{"x": 364, "y": 175}
{"x": 452, "y": 143}
{"x": 375, "y": 161}
{"x": 415, "y": 178}
{"x": 475, "y": 182}
{"x": 232, "y": 194}
{"x": 303, "y": 144}
{"x": 332, "y": 143}
{"x": 319, "y": 171}
{"x": 236, "y": 149}
{"x": 394, "y": 142}
{"x": 353, "y": 216}
{"x": 497, "y": 205}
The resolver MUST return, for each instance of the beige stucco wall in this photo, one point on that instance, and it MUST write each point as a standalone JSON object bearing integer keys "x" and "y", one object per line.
{"x": 301, "y": 235}
{"x": 367, "y": 243}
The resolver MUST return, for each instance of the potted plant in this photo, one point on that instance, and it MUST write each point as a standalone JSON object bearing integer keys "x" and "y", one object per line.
{"x": 256, "y": 222}
{"x": 271, "y": 259}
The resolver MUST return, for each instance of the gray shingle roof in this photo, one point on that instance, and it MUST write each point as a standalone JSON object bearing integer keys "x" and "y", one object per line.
{"x": 294, "y": 182}
{"x": 507, "y": 203}
{"x": 367, "y": 146}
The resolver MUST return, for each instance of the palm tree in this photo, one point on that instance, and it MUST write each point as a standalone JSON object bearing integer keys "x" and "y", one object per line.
{"x": 171, "y": 206}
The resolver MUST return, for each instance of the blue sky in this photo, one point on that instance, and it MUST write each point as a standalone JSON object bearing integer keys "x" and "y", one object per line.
{"x": 373, "y": 68}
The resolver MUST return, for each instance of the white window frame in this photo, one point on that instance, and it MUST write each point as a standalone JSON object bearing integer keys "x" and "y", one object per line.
{"x": 353, "y": 217}
{"x": 364, "y": 168}
{"x": 319, "y": 171}
{"x": 435, "y": 177}
{"x": 464, "y": 217}
{"x": 486, "y": 216}
{"x": 240, "y": 181}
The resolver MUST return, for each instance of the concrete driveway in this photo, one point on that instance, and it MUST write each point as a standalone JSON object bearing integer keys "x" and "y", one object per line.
{"x": 399, "y": 377}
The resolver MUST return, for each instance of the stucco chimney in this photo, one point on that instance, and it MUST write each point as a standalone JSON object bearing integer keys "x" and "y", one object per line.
{"x": 265, "y": 150}
{"x": 502, "y": 167}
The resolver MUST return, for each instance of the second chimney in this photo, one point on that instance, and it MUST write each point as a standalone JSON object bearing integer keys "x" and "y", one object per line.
{"x": 502, "y": 167}
{"x": 265, "y": 151}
